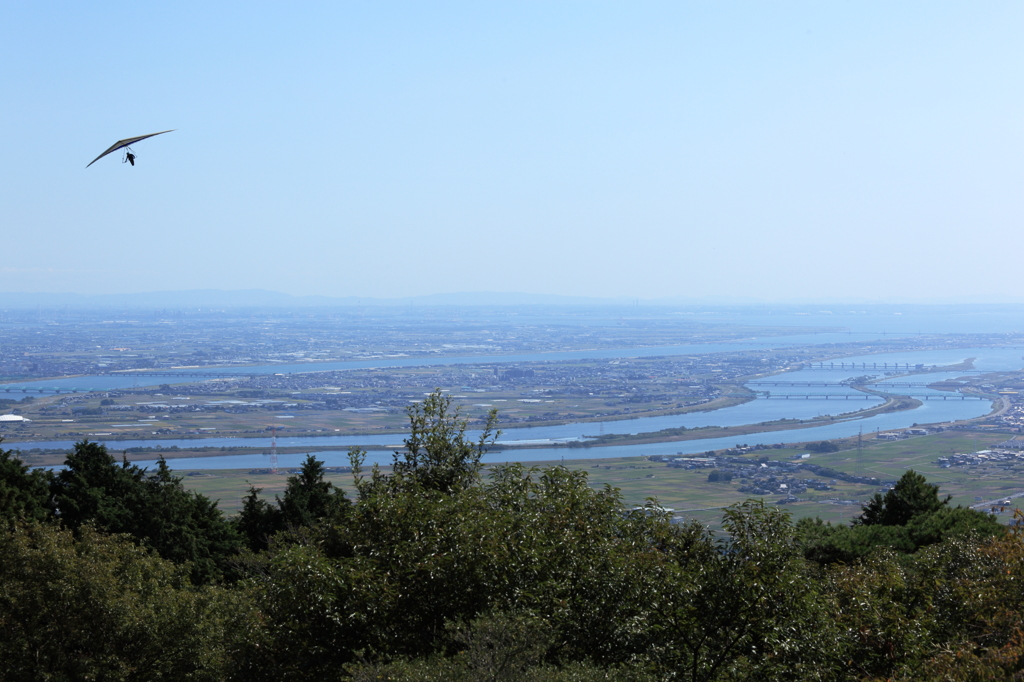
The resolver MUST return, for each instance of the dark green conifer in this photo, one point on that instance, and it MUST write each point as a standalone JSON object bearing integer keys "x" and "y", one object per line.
{"x": 155, "y": 509}
{"x": 24, "y": 493}
{"x": 912, "y": 495}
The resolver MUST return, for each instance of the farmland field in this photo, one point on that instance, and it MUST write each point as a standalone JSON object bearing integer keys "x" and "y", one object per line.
{"x": 689, "y": 493}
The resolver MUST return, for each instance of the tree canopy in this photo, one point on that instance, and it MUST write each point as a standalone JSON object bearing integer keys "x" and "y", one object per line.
{"x": 442, "y": 569}
{"x": 308, "y": 499}
{"x": 154, "y": 508}
{"x": 93, "y": 606}
{"x": 910, "y": 497}
{"x": 24, "y": 493}
{"x": 438, "y": 454}
{"x": 907, "y": 517}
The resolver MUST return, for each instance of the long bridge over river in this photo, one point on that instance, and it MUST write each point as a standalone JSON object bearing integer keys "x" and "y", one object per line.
{"x": 822, "y": 384}
{"x": 857, "y": 396}
{"x": 902, "y": 367}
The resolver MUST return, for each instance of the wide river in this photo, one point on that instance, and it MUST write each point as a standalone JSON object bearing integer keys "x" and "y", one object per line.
{"x": 753, "y": 412}
{"x": 129, "y": 380}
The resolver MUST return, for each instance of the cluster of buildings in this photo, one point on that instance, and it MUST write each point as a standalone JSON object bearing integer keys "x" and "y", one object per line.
{"x": 765, "y": 477}
{"x": 52, "y": 343}
{"x": 772, "y": 484}
{"x": 983, "y": 457}
{"x": 905, "y": 433}
{"x": 1013, "y": 418}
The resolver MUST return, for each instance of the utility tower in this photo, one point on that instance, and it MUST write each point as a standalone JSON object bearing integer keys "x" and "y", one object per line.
{"x": 273, "y": 450}
{"x": 860, "y": 451}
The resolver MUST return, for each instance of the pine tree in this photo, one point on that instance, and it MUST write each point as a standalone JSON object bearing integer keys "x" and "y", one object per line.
{"x": 911, "y": 496}
{"x": 24, "y": 493}
{"x": 155, "y": 509}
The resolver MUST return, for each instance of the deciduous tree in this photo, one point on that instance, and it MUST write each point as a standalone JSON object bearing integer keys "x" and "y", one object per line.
{"x": 90, "y": 606}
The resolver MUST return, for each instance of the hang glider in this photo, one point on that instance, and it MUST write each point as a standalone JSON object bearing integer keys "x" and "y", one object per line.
{"x": 123, "y": 144}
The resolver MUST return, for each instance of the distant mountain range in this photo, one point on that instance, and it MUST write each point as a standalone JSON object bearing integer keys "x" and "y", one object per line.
{"x": 262, "y": 298}
{"x": 198, "y": 298}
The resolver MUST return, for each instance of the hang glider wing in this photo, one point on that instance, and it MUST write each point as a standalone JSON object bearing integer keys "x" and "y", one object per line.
{"x": 121, "y": 144}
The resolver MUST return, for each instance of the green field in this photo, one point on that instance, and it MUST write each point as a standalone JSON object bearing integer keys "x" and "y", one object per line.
{"x": 692, "y": 496}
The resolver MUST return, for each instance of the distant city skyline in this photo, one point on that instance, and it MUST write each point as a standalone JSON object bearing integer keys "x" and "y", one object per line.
{"x": 795, "y": 152}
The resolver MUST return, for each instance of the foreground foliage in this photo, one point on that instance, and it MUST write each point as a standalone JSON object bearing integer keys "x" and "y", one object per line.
{"x": 96, "y": 606}
{"x": 908, "y": 517}
{"x": 24, "y": 494}
{"x": 437, "y": 572}
{"x": 154, "y": 508}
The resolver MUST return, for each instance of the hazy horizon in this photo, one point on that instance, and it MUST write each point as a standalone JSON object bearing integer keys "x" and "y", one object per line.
{"x": 269, "y": 298}
{"x": 787, "y": 152}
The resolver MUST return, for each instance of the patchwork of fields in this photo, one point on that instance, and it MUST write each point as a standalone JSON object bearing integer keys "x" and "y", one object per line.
{"x": 692, "y": 496}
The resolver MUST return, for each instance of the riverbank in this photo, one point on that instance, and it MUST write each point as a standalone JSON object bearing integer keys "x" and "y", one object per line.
{"x": 688, "y": 490}
{"x": 899, "y": 404}
{"x": 762, "y": 418}
{"x": 135, "y": 454}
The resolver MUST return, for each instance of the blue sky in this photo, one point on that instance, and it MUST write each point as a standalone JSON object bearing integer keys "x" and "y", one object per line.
{"x": 778, "y": 151}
